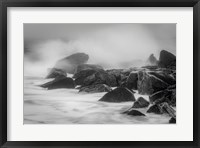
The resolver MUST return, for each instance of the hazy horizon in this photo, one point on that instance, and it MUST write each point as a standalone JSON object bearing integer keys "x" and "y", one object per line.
{"x": 109, "y": 45}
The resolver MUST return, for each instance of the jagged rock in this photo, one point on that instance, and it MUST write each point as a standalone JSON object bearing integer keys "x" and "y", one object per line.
{"x": 55, "y": 73}
{"x": 140, "y": 103}
{"x": 149, "y": 84}
{"x": 70, "y": 63}
{"x": 87, "y": 66}
{"x": 95, "y": 88}
{"x": 152, "y": 61}
{"x": 134, "y": 112}
{"x": 155, "y": 109}
{"x": 168, "y": 95}
{"x": 63, "y": 82}
{"x": 119, "y": 94}
{"x": 168, "y": 109}
{"x": 167, "y": 60}
{"x": 131, "y": 81}
{"x": 94, "y": 76}
{"x": 172, "y": 120}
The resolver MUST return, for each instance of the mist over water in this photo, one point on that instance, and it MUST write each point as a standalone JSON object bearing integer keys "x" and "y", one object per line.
{"x": 110, "y": 45}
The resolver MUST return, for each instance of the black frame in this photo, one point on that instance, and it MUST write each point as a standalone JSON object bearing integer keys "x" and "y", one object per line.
{"x": 99, "y": 3}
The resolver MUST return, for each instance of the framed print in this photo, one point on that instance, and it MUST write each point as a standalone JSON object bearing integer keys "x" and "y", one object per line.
{"x": 103, "y": 73}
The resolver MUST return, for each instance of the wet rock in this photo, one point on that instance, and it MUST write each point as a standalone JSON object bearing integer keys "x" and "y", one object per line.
{"x": 55, "y": 73}
{"x": 63, "y": 82}
{"x": 168, "y": 109}
{"x": 131, "y": 81}
{"x": 155, "y": 109}
{"x": 149, "y": 84}
{"x": 134, "y": 112}
{"x": 119, "y": 94}
{"x": 95, "y": 88}
{"x": 152, "y": 61}
{"x": 94, "y": 76}
{"x": 87, "y": 66}
{"x": 172, "y": 120}
{"x": 70, "y": 63}
{"x": 140, "y": 103}
{"x": 167, "y": 60}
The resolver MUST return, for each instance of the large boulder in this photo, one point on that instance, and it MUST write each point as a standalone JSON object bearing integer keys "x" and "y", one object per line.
{"x": 119, "y": 94}
{"x": 152, "y": 61}
{"x": 87, "y": 66}
{"x": 95, "y": 88}
{"x": 140, "y": 103}
{"x": 63, "y": 82}
{"x": 167, "y": 60}
{"x": 55, "y": 73}
{"x": 94, "y": 76}
{"x": 149, "y": 84}
{"x": 131, "y": 81}
{"x": 70, "y": 63}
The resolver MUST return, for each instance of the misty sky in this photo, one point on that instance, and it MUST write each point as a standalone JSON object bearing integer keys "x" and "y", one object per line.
{"x": 107, "y": 44}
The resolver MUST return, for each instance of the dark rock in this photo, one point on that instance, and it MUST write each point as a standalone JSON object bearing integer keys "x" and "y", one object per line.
{"x": 87, "y": 66}
{"x": 95, "y": 88}
{"x": 168, "y": 109}
{"x": 119, "y": 94}
{"x": 172, "y": 120}
{"x": 55, "y": 73}
{"x": 140, "y": 103}
{"x": 134, "y": 113}
{"x": 94, "y": 76}
{"x": 167, "y": 60}
{"x": 131, "y": 81}
{"x": 152, "y": 61}
{"x": 70, "y": 63}
{"x": 149, "y": 84}
{"x": 155, "y": 109}
{"x": 63, "y": 82}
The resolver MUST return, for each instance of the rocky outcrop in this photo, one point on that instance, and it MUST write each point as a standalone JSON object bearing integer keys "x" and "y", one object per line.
{"x": 167, "y": 60}
{"x": 95, "y": 88}
{"x": 152, "y": 61}
{"x": 133, "y": 112}
{"x": 94, "y": 76}
{"x": 172, "y": 120}
{"x": 87, "y": 67}
{"x": 168, "y": 95}
{"x": 70, "y": 63}
{"x": 140, "y": 103}
{"x": 55, "y": 73}
{"x": 131, "y": 82}
{"x": 119, "y": 94}
{"x": 149, "y": 84}
{"x": 63, "y": 82}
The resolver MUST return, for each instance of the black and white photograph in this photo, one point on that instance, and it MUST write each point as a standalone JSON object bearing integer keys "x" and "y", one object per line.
{"x": 99, "y": 73}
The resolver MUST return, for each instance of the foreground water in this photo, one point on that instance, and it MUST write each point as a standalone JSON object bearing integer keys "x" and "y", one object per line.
{"x": 67, "y": 106}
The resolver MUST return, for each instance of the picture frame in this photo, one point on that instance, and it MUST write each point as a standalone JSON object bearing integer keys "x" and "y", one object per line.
{"x": 99, "y": 3}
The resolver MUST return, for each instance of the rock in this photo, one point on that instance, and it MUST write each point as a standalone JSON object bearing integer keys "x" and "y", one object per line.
{"x": 149, "y": 84}
{"x": 94, "y": 76}
{"x": 95, "y": 88}
{"x": 63, "y": 82}
{"x": 119, "y": 94}
{"x": 152, "y": 61}
{"x": 172, "y": 120}
{"x": 167, "y": 60}
{"x": 168, "y": 109}
{"x": 155, "y": 109}
{"x": 140, "y": 103}
{"x": 168, "y": 95}
{"x": 55, "y": 73}
{"x": 131, "y": 81}
{"x": 87, "y": 66}
{"x": 134, "y": 113}
{"x": 70, "y": 63}
{"x": 169, "y": 79}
